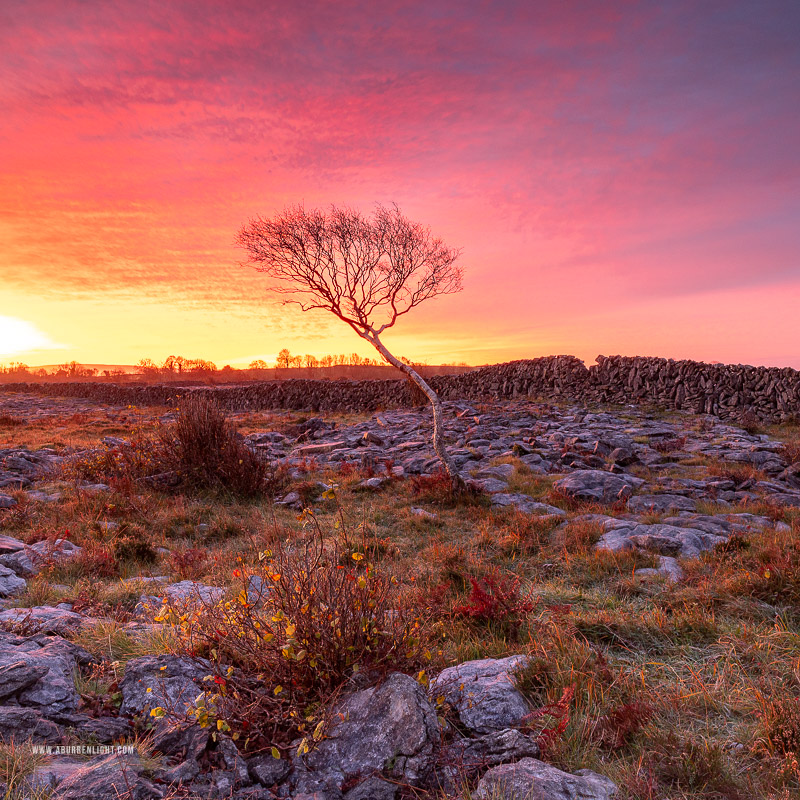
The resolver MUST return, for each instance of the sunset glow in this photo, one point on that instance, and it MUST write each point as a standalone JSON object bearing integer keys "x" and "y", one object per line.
{"x": 621, "y": 177}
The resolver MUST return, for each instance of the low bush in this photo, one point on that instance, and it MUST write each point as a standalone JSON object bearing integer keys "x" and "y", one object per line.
{"x": 316, "y": 627}
{"x": 199, "y": 451}
{"x": 495, "y": 601}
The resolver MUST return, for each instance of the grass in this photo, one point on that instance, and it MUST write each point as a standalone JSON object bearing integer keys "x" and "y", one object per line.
{"x": 685, "y": 691}
{"x": 18, "y": 761}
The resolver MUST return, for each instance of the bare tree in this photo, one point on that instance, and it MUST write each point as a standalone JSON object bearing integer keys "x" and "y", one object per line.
{"x": 368, "y": 271}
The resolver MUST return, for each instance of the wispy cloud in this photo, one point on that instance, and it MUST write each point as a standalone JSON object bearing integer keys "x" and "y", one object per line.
{"x": 621, "y": 151}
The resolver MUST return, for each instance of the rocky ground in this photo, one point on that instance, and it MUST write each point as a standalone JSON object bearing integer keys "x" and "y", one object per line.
{"x": 669, "y": 487}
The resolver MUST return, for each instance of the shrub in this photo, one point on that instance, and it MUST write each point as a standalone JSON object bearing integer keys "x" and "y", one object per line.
{"x": 189, "y": 564}
{"x": 134, "y": 549}
{"x": 121, "y": 465}
{"x": 438, "y": 488}
{"x": 617, "y": 726}
{"x": 319, "y": 626}
{"x": 668, "y": 445}
{"x": 208, "y": 453}
{"x": 495, "y": 600}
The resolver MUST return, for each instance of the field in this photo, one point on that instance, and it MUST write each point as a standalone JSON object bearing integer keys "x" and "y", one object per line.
{"x": 670, "y": 665}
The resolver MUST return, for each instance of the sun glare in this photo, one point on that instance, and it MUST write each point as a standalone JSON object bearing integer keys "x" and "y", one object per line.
{"x": 19, "y": 336}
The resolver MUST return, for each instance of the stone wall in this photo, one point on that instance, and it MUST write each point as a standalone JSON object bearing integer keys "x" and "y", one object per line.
{"x": 722, "y": 389}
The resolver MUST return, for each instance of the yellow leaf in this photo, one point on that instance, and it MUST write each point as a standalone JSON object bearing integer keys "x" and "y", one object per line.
{"x": 357, "y": 557}
{"x": 157, "y": 712}
{"x": 277, "y": 690}
{"x": 276, "y": 753}
{"x": 317, "y": 735}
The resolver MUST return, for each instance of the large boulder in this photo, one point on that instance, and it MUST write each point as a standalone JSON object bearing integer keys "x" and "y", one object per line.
{"x": 44, "y": 668}
{"x": 173, "y": 683}
{"x": 666, "y": 540}
{"x": 390, "y": 730}
{"x": 598, "y": 486}
{"x": 484, "y": 693}
{"x": 530, "y": 779}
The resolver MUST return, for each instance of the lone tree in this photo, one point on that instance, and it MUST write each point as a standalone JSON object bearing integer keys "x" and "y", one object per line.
{"x": 368, "y": 271}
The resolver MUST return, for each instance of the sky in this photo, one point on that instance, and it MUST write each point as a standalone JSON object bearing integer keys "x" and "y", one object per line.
{"x": 621, "y": 177}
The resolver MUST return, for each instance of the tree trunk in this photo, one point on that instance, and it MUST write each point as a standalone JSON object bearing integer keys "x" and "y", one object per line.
{"x": 436, "y": 403}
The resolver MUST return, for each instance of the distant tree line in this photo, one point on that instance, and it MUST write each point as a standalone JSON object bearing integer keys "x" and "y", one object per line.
{"x": 194, "y": 367}
{"x": 178, "y": 365}
{"x": 286, "y": 360}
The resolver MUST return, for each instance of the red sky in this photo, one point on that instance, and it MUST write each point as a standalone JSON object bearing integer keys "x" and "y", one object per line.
{"x": 623, "y": 177}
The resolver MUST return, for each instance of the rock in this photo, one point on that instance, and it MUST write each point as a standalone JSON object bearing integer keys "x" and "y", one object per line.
{"x": 320, "y": 449}
{"x": 465, "y": 758}
{"x": 257, "y": 590}
{"x": 484, "y": 693}
{"x": 291, "y": 500}
{"x": 791, "y": 475}
{"x": 527, "y": 504}
{"x": 43, "y": 619}
{"x": 8, "y": 544}
{"x": 398, "y": 723}
{"x": 174, "y": 682}
{"x": 266, "y": 770}
{"x": 46, "y": 777}
{"x": 183, "y": 595}
{"x": 56, "y": 550}
{"x": 10, "y": 582}
{"x": 185, "y": 742}
{"x": 664, "y": 539}
{"x": 182, "y": 739}
{"x": 43, "y": 497}
{"x": 54, "y": 693}
{"x": 597, "y": 485}
{"x": 373, "y": 788}
{"x": 19, "y": 675}
{"x": 422, "y": 513}
{"x": 191, "y": 592}
{"x": 623, "y": 456}
{"x": 489, "y": 485}
{"x": 501, "y": 471}
{"x": 233, "y": 760}
{"x": 27, "y": 724}
{"x": 56, "y": 660}
{"x": 660, "y": 503}
{"x": 100, "y": 729}
{"x": 19, "y": 563}
{"x": 6, "y": 501}
{"x": 530, "y": 779}
{"x": 373, "y": 483}
{"x": 108, "y": 777}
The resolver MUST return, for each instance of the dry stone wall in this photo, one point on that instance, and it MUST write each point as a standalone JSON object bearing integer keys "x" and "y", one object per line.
{"x": 727, "y": 390}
